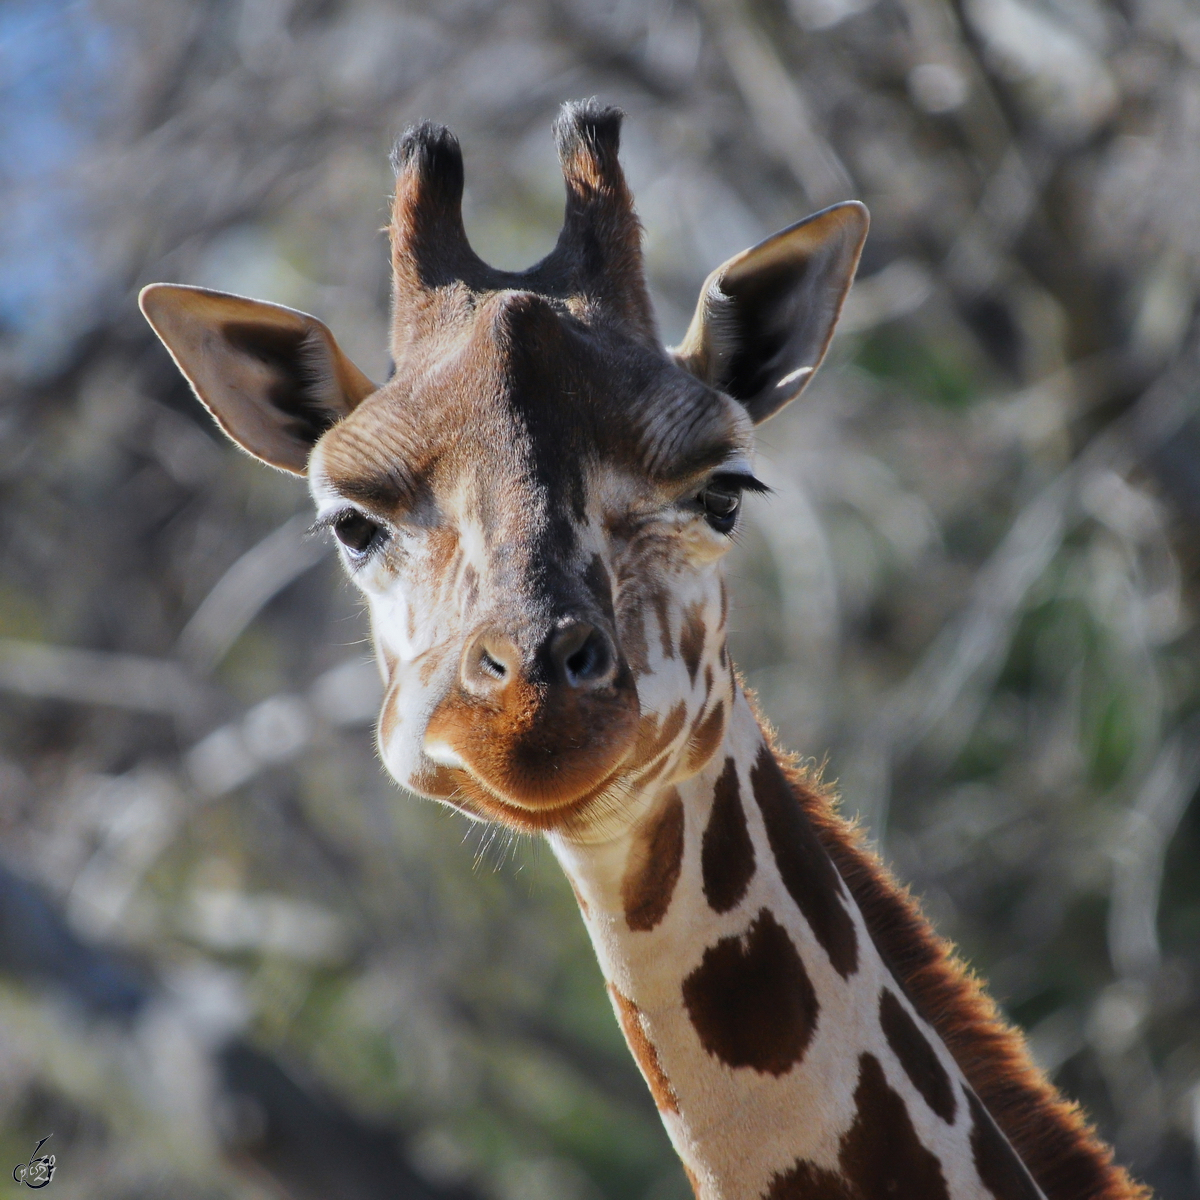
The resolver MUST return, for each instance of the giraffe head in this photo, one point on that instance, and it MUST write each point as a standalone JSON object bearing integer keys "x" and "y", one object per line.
{"x": 535, "y": 503}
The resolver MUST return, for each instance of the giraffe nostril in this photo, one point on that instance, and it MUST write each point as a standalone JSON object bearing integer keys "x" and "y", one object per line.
{"x": 591, "y": 659}
{"x": 582, "y": 654}
{"x": 490, "y": 661}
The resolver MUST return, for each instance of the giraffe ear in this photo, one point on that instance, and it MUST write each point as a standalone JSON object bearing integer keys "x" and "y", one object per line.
{"x": 765, "y": 317}
{"x": 273, "y": 378}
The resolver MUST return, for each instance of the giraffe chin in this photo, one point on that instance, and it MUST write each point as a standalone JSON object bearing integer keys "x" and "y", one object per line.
{"x": 461, "y": 790}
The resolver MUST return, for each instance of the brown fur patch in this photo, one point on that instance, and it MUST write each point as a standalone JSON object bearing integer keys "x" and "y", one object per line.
{"x": 917, "y": 1056}
{"x": 662, "y": 611}
{"x": 1002, "y": 1172}
{"x": 430, "y": 661}
{"x": 583, "y": 904}
{"x": 642, "y": 1048}
{"x": 644, "y": 746}
{"x": 1049, "y": 1134}
{"x": 726, "y": 853}
{"x": 691, "y": 638}
{"x": 806, "y": 1181}
{"x": 750, "y": 1000}
{"x": 706, "y": 737}
{"x": 598, "y": 582}
{"x": 441, "y": 551}
{"x": 655, "y": 861}
{"x": 652, "y": 741}
{"x": 644, "y": 778}
{"x": 806, "y": 869}
{"x": 632, "y": 626}
{"x": 470, "y": 589}
{"x": 672, "y": 725}
{"x": 880, "y": 1154}
{"x": 692, "y": 1180}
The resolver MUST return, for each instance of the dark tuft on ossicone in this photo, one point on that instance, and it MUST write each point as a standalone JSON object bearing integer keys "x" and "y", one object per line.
{"x": 431, "y": 153}
{"x": 589, "y": 127}
{"x": 597, "y": 261}
{"x": 429, "y": 244}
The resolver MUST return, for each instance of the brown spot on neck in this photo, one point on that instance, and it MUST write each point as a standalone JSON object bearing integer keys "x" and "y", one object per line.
{"x": 750, "y": 1000}
{"x": 727, "y": 853}
{"x": 880, "y": 1154}
{"x": 655, "y": 861}
{"x": 643, "y": 1050}
{"x": 806, "y": 1181}
{"x": 918, "y": 1058}
{"x": 807, "y": 871}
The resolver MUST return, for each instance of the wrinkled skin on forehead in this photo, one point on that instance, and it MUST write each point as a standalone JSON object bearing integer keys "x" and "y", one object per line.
{"x": 534, "y": 471}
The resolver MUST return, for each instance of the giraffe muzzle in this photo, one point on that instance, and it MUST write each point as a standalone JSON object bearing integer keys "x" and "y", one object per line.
{"x": 536, "y": 727}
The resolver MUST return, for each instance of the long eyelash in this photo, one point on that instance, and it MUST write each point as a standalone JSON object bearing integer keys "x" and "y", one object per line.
{"x": 739, "y": 479}
{"x": 328, "y": 521}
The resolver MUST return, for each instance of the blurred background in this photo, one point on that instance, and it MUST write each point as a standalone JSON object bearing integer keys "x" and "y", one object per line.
{"x": 235, "y": 961}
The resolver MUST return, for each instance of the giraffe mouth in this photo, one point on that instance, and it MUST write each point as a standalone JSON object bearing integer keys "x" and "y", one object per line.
{"x": 532, "y": 764}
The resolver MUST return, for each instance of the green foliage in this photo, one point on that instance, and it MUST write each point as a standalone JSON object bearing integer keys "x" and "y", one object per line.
{"x": 934, "y": 369}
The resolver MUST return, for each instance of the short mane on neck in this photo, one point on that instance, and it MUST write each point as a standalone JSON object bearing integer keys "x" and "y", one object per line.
{"x": 1050, "y": 1134}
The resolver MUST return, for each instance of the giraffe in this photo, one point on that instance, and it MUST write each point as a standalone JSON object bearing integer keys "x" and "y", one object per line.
{"x": 535, "y": 507}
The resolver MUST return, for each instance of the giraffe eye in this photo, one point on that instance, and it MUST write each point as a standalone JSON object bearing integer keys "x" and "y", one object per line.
{"x": 356, "y": 532}
{"x": 721, "y": 503}
{"x": 721, "y": 499}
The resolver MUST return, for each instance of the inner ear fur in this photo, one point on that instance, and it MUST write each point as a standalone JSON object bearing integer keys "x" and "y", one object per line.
{"x": 273, "y": 378}
{"x": 765, "y": 318}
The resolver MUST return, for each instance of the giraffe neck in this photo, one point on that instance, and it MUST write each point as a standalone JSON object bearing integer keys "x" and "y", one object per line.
{"x": 785, "y": 1057}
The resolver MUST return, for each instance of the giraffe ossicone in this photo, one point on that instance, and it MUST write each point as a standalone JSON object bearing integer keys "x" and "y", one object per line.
{"x": 535, "y": 506}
